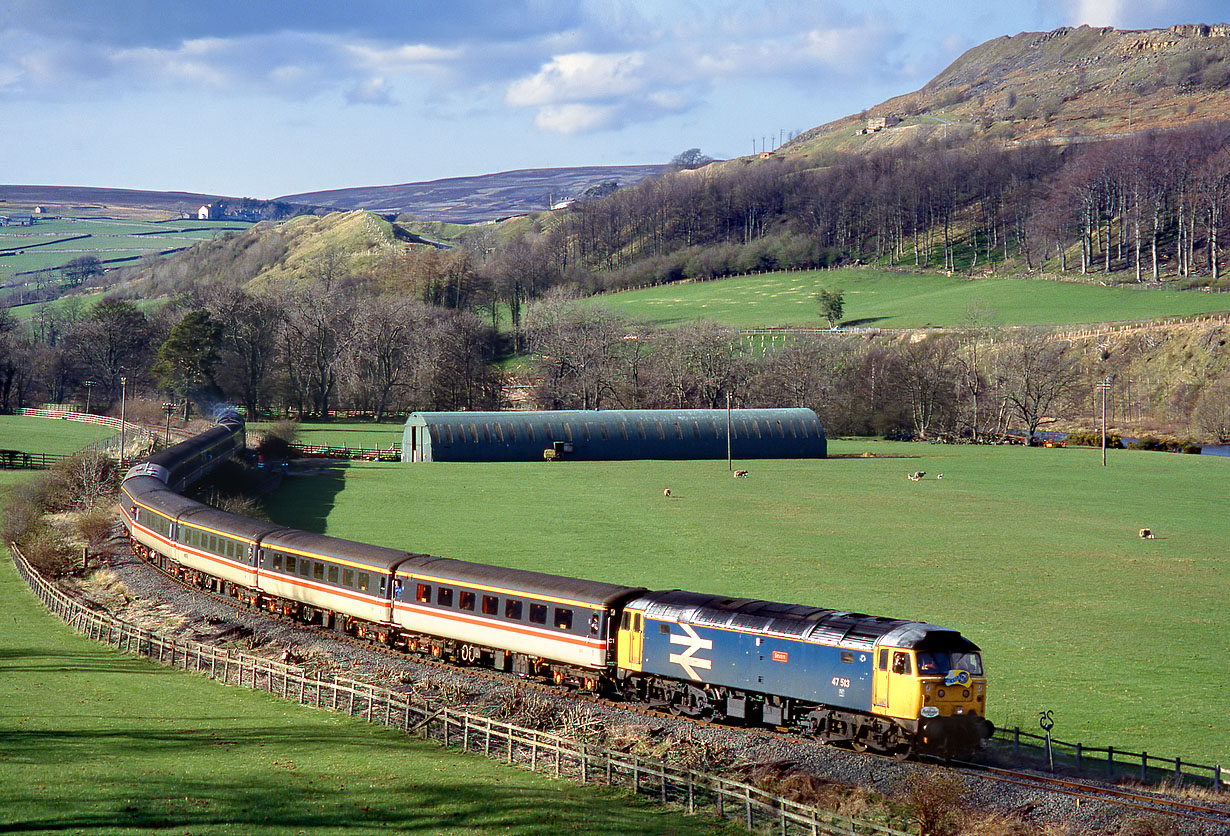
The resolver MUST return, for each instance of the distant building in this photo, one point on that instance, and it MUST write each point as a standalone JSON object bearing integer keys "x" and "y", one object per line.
{"x": 204, "y": 213}
{"x": 39, "y": 210}
{"x": 875, "y": 124}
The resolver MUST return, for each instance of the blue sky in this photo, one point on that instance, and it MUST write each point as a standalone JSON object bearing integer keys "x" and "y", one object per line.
{"x": 263, "y": 98}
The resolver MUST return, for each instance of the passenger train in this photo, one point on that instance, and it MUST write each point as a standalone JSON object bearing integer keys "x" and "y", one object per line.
{"x": 894, "y": 686}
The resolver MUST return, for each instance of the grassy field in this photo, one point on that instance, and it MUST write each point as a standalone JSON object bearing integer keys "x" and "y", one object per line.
{"x": 95, "y": 742}
{"x": 886, "y": 299}
{"x": 1032, "y": 553}
{"x": 51, "y": 243}
{"x": 48, "y": 435}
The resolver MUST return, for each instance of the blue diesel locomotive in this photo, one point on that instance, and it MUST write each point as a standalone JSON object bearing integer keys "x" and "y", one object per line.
{"x": 874, "y": 683}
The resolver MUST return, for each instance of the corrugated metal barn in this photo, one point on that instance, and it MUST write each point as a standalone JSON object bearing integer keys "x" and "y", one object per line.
{"x": 612, "y": 434}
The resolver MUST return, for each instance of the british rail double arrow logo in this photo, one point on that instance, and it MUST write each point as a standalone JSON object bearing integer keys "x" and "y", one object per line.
{"x": 687, "y": 659}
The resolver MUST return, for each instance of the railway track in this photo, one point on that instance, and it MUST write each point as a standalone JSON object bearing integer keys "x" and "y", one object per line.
{"x": 1141, "y": 801}
{"x": 1083, "y": 791}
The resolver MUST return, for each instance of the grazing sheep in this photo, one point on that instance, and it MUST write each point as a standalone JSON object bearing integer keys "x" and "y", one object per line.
{"x": 916, "y": 475}
{"x": 939, "y": 476}
{"x": 1146, "y": 534}
{"x": 667, "y": 493}
{"x": 740, "y": 474}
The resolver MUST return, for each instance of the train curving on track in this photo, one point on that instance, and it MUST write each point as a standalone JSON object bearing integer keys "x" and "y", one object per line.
{"x": 899, "y": 687}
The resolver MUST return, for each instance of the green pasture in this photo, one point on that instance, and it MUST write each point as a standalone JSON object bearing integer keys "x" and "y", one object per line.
{"x": 48, "y": 435}
{"x": 96, "y": 742}
{"x": 884, "y": 299}
{"x": 344, "y": 434}
{"x": 108, "y": 239}
{"x": 1032, "y": 553}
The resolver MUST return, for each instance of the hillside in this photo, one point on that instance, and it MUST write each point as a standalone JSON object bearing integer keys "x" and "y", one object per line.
{"x": 480, "y": 198}
{"x": 1055, "y": 87}
{"x": 88, "y": 202}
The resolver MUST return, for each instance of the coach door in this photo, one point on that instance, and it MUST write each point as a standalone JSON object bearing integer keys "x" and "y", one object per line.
{"x": 631, "y": 640}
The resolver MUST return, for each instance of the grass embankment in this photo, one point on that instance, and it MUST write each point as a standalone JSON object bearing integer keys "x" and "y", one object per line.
{"x": 1032, "y": 553}
{"x": 96, "y": 742}
{"x": 48, "y": 435}
{"x": 885, "y": 299}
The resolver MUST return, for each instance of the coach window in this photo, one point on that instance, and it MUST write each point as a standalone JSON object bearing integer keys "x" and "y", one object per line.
{"x": 467, "y": 601}
{"x": 332, "y": 574}
{"x": 305, "y": 567}
{"x": 538, "y": 613}
{"x": 512, "y": 609}
{"x": 348, "y": 578}
{"x": 563, "y": 618}
{"x": 364, "y": 580}
{"x": 277, "y": 561}
{"x": 423, "y": 594}
{"x": 290, "y": 564}
{"x": 491, "y": 605}
{"x": 444, "y": 596}
{"x": 901, "y": 663}
{"x": 318, "y": 571}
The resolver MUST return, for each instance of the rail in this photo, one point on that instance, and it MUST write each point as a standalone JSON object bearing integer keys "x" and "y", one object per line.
{"x": 542, "y": 752}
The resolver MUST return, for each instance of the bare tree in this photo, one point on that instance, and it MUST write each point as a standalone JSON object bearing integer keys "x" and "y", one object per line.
{"x": 1036, "y": 377}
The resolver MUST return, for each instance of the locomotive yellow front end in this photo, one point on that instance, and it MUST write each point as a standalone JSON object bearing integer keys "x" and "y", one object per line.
{"x": 933, "y": 685}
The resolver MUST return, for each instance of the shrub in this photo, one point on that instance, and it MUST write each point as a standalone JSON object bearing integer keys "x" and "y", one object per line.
{"x": 277, "y": 441}
{"x": 1093, "y": 438}
{"x": 936, "y": 801}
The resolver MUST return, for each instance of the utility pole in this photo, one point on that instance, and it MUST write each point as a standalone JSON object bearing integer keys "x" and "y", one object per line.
{"x": 1104, "y": 386}
{"x": 729, "y": 463}
{"x": 123, "y": 426}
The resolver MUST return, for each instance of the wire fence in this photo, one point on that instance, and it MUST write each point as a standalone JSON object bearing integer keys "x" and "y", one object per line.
{"x": 542, "y": 752}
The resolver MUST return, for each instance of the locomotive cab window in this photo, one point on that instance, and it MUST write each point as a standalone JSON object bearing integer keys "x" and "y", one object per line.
{"x": 625, "y": 620}
{"x": 901, "y": 663}
{"x": 883, "y": 660}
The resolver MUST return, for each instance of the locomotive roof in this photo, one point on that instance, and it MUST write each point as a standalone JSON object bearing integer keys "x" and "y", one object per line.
{"x": 378, "y": 558}
{"x": 519, "y": 580}
{"x": 798, "y": 621}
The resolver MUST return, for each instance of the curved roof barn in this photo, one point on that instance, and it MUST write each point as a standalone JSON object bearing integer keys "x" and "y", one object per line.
{"x": 603, "y": 435}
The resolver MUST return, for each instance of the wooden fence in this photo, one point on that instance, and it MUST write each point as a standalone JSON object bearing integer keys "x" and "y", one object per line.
{"x": 551, "y": 754}
{"x": 21, "y": 460}
{"x": 1113, "y": 763}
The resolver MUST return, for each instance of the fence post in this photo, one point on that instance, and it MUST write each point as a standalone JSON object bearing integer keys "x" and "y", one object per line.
{"x": 747, "y": 806}
{"x": 1110, "y": 762}
{"x": 1078, "y": 759}
{"x": 1217, "y": 777}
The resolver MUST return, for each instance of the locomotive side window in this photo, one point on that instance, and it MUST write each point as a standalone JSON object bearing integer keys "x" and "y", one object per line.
{"x": 636, "y": 626}
{"x": 563, "y": 618}
{"x": 467, "y": 601}
{"x": 847, "y": 657}
{"x": 423, "y": 594}
{"x": 625, "y": 620}
{"x": 664, "y": 628}
{"x": 491, "y": 605}
{"x": 901, "y": 663}
{"x": 883, "y": 660}
{"x": 512, "y": 609}
{"x": 538, "y": 613}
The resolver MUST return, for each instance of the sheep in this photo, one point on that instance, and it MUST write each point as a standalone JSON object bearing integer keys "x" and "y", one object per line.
{"x": 667, "y": 493}
{"x": 1146, "y": 534}
{"x": 916, "y": 475}
{"x": 740, "y": 474}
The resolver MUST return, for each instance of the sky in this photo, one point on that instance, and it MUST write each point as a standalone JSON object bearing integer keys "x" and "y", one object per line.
{"x": 264, "y": 98}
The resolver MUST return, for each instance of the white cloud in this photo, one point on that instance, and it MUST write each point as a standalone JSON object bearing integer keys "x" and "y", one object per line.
{"x": 579, "y": 77}
{"x": 1099, "y": 12}
{"x": 576, "y": 118}
{"x": 373, "y": 91}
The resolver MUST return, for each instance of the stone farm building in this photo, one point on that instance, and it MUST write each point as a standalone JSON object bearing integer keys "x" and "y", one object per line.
{"x": 605, "y": 435}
